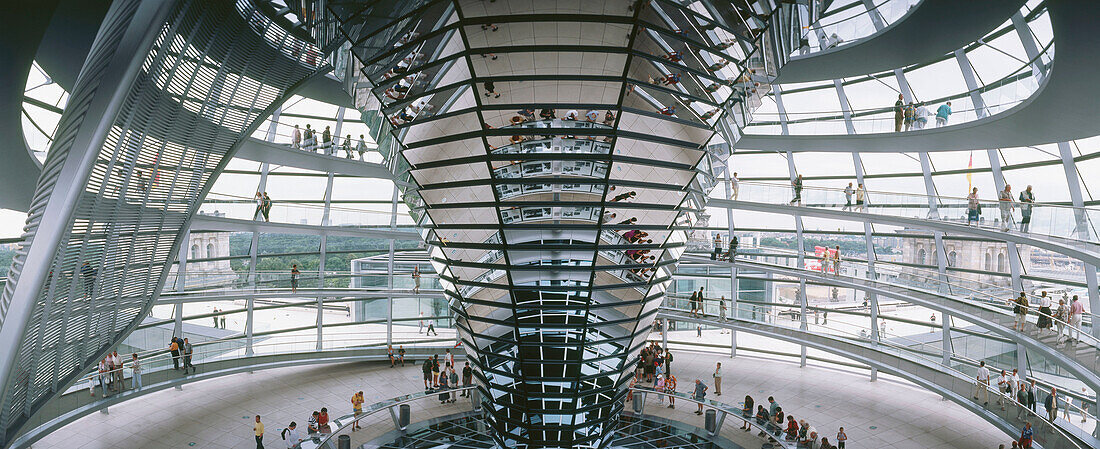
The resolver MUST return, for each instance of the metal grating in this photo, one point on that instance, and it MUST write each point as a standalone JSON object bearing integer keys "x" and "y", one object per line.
{"x": 122, "y": 180}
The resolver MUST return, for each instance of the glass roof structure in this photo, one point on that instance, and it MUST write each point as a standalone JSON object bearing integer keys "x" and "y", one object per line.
{"x": 545, "y": 184}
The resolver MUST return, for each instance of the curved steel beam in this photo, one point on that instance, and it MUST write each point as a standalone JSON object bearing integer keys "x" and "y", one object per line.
{"x": 83, "y": 211}
{"x": 923, "y": 373}
{"x": 1060, "y": 110}
{"x": 74, "y": 25}
{"x": 58, "y": 35}
{"x": 944, "y": 304}
{"x": 201, "y": 223}
{"x": 78, "y": 404}
{"x": 928, "y": 31}
{"x": 19, "y": 41}
{"x": 281, "y": 154}
{"x": 1086, "y": 252}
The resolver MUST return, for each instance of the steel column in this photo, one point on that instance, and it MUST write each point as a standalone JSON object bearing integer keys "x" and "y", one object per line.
{"x": 389, "y": 270}
{"x": 793, "y": 172}
{"x": 733, "y": 270}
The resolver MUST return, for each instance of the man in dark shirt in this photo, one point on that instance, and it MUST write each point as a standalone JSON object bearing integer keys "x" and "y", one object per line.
{"x": 899, "y": 113}
{"x": 467, "y": 379}
{"x": 426, "y": 368}
{"x": 88, "y": 273}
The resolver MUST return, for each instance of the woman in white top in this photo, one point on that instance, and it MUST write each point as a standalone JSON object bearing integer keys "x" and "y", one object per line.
{"x": 361, "y": 147}
{"x": 1044, "y": 321}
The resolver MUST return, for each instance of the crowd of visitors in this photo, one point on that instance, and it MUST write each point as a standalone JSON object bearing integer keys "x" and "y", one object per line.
{"x": 1023, "y": 394}
{"x": 110, "y": 377}
{"x": 655, "y": 368}
{"x": 776, "y": 424}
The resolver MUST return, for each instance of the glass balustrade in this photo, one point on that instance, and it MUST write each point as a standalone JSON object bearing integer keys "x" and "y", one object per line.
{"x": 951, "y": 289}
{"x": 996, "y": 96}
{"x": 898, "y": 346}
{"x": 1065, "y": 224}
{"x": 848, "y": 24}
{"x": 221, "y": 205}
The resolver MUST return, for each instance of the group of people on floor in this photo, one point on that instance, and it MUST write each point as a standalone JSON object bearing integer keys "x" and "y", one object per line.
{"x": 442, "y": 377}
{"x": 443, "y": 380}
{"x": 655, "y": 368}
{"x": 777, "y": 424}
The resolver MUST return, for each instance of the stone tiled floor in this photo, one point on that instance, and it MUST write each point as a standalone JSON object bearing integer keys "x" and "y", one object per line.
{"x": 218, "y": 413}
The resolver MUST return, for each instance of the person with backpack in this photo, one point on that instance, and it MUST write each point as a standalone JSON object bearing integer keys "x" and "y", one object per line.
{"x": 290, "y": 435}
{"x": 700, "y": 393}
{"x": 426, "y": 367}
{"x": 691, "y": 301}
{"x": 174, "y": 348}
